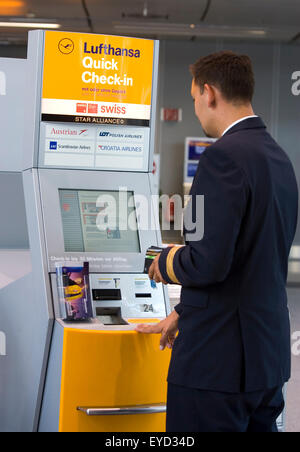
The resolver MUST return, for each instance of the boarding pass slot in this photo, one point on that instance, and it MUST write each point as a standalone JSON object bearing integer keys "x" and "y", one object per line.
{"x": 107, "y": 295}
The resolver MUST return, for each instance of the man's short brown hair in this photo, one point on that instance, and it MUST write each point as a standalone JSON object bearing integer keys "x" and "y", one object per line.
{"x": 231, "y": 73}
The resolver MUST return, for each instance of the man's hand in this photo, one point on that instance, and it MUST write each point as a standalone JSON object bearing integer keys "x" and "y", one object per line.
{"x": 154, "y": 272}
{"x": 168, "y": 329}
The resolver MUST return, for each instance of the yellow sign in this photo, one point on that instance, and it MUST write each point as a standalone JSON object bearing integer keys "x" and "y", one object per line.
{"x": 93, "y": 76}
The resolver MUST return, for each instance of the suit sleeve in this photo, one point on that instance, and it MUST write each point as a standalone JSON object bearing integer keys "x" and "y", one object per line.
{"x": 208, "y": 261}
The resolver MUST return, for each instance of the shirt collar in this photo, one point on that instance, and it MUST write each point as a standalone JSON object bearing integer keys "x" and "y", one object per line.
{"x": 237, "y": 122}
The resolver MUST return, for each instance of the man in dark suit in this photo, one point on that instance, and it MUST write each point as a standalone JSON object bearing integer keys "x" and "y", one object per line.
{"x": 231, "y": 357}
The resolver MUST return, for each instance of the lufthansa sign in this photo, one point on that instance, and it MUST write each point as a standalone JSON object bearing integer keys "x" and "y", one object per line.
{"x": 97, "y": 77}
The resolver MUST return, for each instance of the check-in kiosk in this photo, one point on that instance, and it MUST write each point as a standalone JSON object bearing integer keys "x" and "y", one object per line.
{"x": 90, "y": 108}
{"x": 194, "y": 147}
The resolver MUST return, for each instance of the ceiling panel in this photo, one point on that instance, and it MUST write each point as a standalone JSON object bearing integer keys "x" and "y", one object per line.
{"x": 274, "y": 13}
{"x": 68, "y": 13}
{"x": 65, "y": 9}
{"x": 185, "y": 11}
{"x": 226, "y": 12}
{"x": 259, "y": 19}
{"x": 279, "y": 19}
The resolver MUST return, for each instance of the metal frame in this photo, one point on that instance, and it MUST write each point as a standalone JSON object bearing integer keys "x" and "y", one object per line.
{"x": 51, "y": 181}
{"x": 35, "y": 59}
{"x": 41, "y": 283}
{"x": 153, "y": 104}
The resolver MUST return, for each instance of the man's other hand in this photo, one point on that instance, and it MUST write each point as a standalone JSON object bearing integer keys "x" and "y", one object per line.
{"x": 168, "y": 329}
{"x": 154, "y": 272}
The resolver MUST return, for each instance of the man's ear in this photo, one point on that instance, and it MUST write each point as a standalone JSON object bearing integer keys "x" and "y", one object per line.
{"x": 210, "y": 94}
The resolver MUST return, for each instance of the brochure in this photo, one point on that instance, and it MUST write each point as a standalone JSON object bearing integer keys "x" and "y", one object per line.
{"x": 74, "y": 292}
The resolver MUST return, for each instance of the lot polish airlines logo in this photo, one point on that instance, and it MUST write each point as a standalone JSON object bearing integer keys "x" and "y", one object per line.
{"x": 2, "y": 83}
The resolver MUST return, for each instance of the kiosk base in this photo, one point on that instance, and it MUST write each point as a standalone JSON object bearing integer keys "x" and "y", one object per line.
{"x": 105, "y": 372}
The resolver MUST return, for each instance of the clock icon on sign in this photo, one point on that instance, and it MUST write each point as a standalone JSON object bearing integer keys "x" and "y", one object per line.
{"x": 66, "y": 46}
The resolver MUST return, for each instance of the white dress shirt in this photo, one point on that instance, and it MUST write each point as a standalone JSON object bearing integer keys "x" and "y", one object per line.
{"x": 236, "y": 122}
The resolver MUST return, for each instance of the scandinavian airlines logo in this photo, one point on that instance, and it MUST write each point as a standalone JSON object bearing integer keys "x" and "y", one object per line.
{"x": 2, "y": 83}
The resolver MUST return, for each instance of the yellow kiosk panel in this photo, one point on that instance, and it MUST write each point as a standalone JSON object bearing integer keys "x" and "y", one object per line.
{"x": 112, "y": 369}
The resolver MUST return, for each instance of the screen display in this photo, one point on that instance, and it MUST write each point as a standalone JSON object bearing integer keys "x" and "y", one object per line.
{"x": 99, "y": 221}
{"x": 196, "y": 148}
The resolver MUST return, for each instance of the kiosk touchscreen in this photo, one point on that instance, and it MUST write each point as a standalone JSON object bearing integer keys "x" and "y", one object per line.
{"x": 87, "y": 157}
{"x": 96, "y": 221}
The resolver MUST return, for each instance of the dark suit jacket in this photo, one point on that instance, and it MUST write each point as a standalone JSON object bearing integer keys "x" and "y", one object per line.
{"x": 234, "y": 328}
